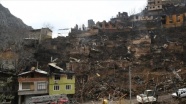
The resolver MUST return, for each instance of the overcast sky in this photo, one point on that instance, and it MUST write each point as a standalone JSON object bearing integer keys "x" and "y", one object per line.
{"x": 67, "y": 13}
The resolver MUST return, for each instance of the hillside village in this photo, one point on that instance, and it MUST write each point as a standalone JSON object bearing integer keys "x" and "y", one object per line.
{"x": 97, "y": 61}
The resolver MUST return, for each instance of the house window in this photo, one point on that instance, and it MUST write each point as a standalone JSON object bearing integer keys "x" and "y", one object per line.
{"x": 26, "y": 85}
{"x": 56, "y": 87}
{"x": 68, "y": 87}
{"x": 57, "y": 77}
{"x": 178, "y": 18}
{"x": 170, "y": 19}
{"x": 41, "y": 85}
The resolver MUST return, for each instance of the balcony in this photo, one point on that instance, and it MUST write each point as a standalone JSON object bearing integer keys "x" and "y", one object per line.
{"x": 33, "y": 86}
{"x": 31, "y": 79}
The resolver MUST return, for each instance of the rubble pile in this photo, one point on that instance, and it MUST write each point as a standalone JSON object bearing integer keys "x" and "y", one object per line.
{"x": 102, "y": 61}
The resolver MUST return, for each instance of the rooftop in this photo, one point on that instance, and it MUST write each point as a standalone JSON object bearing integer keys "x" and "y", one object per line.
{"x": 36, "y": 70}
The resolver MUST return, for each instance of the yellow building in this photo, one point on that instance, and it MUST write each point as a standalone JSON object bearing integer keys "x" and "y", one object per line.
{"x": 60, "y": 81}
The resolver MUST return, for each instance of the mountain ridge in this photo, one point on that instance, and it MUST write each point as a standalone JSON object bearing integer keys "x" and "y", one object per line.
{"x": 9, "y": 20}
{"x": 12, "y": 29}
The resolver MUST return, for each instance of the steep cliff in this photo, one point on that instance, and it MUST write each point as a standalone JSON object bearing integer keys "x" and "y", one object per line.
{"x": 12, "y": 29}
{"x": 10, "y": 21}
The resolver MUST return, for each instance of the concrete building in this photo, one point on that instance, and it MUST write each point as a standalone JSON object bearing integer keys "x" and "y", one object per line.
{"x": 121, "y": 17}
{"x": 154, "y": 5}
{"x": 40, "y": 34}
{"x": 60, "y": 81}
{"x": 32, "y": 83}
{"x": 90, "y": 23}
{"x": 174, "y": 20}
{"x": 112, "y": 27}
{"x": 142, "y": 17}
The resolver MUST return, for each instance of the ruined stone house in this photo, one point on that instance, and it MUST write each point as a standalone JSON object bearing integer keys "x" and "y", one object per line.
{"x": 121, "y": 17}
{"x": 113, "y": 27}
{"x": 82, "y": 33}
{"x": 174, "y": 20}
{"x": 154, "y": 5}
{"x": 90, "y": 23}
{"x": 142, "y": 17}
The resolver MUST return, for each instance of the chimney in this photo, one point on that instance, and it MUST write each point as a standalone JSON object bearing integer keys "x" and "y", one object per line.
{"x": 33, "y": 68}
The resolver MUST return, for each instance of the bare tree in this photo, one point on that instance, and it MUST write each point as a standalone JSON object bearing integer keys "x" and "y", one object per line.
{"x": 132, "y": 12}
{"x": 48, "y": 25}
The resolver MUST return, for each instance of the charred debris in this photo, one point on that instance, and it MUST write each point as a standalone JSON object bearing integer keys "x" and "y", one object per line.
{"x": 151, "y": 43}
{"x": 101, "y": 61}
{"x": 154, "y": 48}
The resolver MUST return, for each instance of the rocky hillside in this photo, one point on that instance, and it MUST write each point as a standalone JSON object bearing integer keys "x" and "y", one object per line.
{"x": 101, "y": 61}
{"x": 12, "y": 29}
{"x": 10, "y": 21}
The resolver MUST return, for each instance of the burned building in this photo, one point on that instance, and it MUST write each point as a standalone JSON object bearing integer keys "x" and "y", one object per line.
{"x": 173, "y": 15}
{"x": 174, "y": 20}
{"x": 154, "y": 5}
{"x": 121, "y": 17}
{"x": 113, "y": 27}
{"x": 110, "y": 52}
{"x": 90, "y": 23}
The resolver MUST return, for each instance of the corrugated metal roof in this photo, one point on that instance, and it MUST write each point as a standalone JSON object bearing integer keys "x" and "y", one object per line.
{"x": 37, "y": 70}
{"x": 55, "y": 66}
{"x": 41, "y": 71}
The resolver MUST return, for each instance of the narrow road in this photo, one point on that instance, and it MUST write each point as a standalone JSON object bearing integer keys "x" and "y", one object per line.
{"x": 164, "y": 99}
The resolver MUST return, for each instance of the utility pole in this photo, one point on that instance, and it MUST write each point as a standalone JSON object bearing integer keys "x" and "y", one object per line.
{"x": 130, "y": 83}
